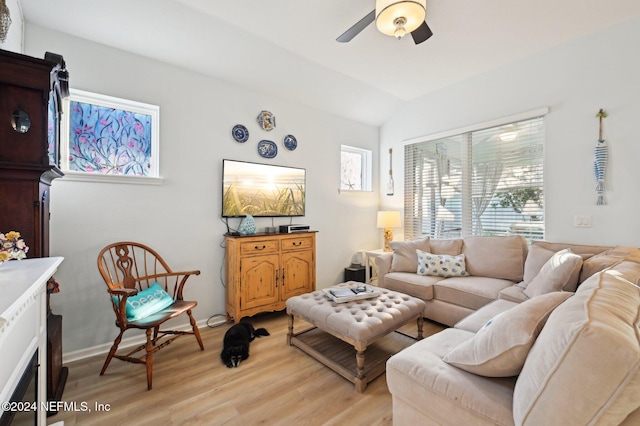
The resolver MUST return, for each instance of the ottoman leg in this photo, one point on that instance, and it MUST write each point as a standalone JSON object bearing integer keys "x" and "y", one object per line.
{"x": 360, "y": 379}
{"x": 290, "y": 333}
{"x": 420, "y": 325}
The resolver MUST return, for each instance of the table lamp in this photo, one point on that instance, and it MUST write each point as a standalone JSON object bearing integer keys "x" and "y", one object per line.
{"x": 388, "y": 220}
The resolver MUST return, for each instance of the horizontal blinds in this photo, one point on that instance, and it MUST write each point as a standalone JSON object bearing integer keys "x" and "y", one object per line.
{"x": 483, "y": 182}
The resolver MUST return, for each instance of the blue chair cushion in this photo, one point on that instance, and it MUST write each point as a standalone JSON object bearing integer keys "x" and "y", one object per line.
{"x": 147, "y": 302}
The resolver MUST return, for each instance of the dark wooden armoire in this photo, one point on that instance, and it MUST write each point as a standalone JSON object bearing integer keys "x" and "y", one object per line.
{"x": 31, "y": 93}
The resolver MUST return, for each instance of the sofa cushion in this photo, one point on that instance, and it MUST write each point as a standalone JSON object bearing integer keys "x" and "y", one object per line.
{"x": 405, "y": 258}
{"x": 479, "y": 318}
{"x": 500, "y": 347}
{"x": 591, "y": 345}
{"x": 441, "y": 265}
{"x": 581, "y": 249}
{"x": 450, "y": 247}
{"x": 411, "y": 283}
{"x": 604, "y": 260}
{"x": 560, "y": 272}
{"x": 629, "y": 268}
{"x": 445, "y": 394}
{"x": 514, "y": 293}
{"x": 496, "y": 257}
{"x": 469, "y": 292}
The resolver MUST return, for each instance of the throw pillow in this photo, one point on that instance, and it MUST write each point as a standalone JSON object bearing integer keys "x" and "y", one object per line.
{"x": 536, "y": 258}
{"x": 147, "y": 302}
{"x": 441, "y": 265}
{"x": 500, "y": 347}
{"x": 405, "y": 258}
{"x": 604, "y": 260}
{"x": 560, "y": 272}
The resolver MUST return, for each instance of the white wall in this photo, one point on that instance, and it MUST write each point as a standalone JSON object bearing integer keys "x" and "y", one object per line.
{"x": 575, "y": 80}
{"x": 181, "y": 218}
{"x": 13, "y": 42}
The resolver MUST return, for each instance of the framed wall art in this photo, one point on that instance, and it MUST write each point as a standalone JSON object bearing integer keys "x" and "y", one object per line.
{"x": 103, "y": 135}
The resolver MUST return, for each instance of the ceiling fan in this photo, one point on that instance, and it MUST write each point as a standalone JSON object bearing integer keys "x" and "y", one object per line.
{"x": 394, "y": 18}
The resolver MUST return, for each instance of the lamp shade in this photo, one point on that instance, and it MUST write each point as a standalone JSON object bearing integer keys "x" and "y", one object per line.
{"x": 389, "y": 219}
{"x": 388, "y": 11}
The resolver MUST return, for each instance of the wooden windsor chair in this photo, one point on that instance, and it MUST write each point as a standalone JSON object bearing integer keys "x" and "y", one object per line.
{"x": 129, "y": 268}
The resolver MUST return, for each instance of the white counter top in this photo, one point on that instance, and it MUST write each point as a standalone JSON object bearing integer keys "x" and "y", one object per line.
{"x": 23, "y": 322}
{"x": 18, "y": 276}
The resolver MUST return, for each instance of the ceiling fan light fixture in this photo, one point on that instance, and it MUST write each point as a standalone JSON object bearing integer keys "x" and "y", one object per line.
{"x": 396, "y": 18}
{"x": 509, "y": 133}
{"x": 400, "y": 31}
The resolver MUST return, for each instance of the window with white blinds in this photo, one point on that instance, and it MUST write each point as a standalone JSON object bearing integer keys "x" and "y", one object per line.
{"x": 481, "y": 182}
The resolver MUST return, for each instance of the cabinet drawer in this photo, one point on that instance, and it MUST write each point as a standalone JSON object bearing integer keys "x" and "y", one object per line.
{"x": 258, "y": 247}
{"x": 297, "y": 243}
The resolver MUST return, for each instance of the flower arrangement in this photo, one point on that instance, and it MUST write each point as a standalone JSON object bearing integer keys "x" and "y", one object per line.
{"x": 53, "y": 286}
{"x": 12, "y": 247}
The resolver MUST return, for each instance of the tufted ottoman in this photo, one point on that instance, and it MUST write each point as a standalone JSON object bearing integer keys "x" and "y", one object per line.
{"x": 356, "y": 324}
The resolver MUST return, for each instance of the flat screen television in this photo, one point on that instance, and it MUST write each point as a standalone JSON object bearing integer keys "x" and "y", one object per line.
{"x": 262, "y": 190}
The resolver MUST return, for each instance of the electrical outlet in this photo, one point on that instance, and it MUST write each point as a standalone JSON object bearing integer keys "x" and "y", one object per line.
{"x": 581, "y": 221}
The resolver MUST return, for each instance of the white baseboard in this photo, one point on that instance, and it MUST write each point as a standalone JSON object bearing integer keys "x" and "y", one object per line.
{"x": 130, "y": 342}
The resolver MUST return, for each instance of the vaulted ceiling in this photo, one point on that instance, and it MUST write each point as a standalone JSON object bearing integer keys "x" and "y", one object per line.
{"x": 288, "y": 48}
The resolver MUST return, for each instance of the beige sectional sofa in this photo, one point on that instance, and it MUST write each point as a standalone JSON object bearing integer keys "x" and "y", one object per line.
{"x": 557, "y": 358}
{"x": 495, "y": 268}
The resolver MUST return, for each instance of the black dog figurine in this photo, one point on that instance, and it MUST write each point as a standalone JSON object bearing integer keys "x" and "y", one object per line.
{"x": 235, "y": 346}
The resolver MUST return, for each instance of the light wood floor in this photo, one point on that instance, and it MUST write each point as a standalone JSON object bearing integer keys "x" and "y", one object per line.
{"x": 277, "y": 385}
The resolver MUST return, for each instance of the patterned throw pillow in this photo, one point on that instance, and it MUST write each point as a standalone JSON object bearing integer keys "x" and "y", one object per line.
{"x": 441, "y": 265}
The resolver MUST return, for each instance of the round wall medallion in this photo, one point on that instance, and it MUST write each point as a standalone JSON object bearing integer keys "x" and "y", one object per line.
{"x": 267, "y": 149}
{"x": 266, "y": 120}
{"x": 240, "y": 133}
{"x": 290, "y": 142}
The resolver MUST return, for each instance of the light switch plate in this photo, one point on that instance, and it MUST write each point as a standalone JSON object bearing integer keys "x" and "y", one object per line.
{"x": 582, "y": 221}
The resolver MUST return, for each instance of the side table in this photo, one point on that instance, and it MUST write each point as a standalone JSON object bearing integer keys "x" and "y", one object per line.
{"x": 368, "y": 257}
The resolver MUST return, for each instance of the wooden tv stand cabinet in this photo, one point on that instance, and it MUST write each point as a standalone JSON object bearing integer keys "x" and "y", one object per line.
{"x": 264, "y": 270}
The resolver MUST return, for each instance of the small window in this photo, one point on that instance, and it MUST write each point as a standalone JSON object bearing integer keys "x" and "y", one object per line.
{"x": 355, "y": 169}
{"x": 109, "y": 139}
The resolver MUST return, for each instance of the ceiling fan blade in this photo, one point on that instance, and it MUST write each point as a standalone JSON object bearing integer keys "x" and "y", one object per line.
{"x": 422, "y": 33}
{"x": 359, "y": 26}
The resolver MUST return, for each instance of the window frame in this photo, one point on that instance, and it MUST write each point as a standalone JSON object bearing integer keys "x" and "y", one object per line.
{"x": 117, "y": 104}
{"x": 366, "y": 167}
{"x": 414, "y": 227}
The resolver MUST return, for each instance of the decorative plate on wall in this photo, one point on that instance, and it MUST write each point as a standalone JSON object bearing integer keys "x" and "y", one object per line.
{"x": 290, "y": 142}
{"x": 267, "y": 149}
{"x": 266, "y": 120}
{"x": 240, "y": 133}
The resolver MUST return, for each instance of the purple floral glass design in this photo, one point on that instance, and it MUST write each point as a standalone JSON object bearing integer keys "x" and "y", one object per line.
{"x": 52, "y": 133}
{"x": 109, "y": 141}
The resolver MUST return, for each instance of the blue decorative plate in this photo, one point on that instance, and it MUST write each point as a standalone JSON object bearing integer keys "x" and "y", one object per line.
{"x": 290, "y": 142}
{"x": 267, "y": 149}
{"x": 266, "y": 120}
{"x": 240, "y": 133}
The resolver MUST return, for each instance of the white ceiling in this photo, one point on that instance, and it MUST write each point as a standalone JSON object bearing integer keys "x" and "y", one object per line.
{"x": 287, "y": 47}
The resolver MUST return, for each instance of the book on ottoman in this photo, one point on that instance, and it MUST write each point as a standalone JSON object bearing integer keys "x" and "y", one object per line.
{"x": 349, "y": 293}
